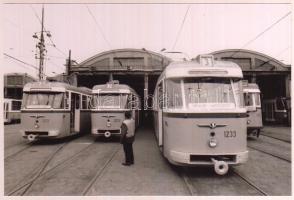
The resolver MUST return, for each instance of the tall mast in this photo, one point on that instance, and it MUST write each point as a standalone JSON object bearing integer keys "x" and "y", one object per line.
{"x": 42, "y": 49}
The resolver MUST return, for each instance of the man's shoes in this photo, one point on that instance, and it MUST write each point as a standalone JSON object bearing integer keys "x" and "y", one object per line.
{"x": 126, "y": 163}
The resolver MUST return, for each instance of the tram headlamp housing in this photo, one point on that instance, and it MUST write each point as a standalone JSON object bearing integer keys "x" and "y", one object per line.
{"x": 248, "y": 121}
{"x": 212, "y": 142}
{"x": 36, "y": 126}
{"x": 108, "y": 124}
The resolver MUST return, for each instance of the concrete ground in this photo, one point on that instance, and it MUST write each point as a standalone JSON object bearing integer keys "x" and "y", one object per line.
{"x": 280, "y": 132}
{"x": 72, "y": 169}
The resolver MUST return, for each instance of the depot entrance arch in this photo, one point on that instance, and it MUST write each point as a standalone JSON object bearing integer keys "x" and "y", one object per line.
{"x": 138, "y": 68}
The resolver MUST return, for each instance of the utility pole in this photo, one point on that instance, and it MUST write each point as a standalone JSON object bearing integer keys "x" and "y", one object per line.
{"x": 42, "y": 49}
{"x": 68, "y": 63}
{"x": 41, "y": 46}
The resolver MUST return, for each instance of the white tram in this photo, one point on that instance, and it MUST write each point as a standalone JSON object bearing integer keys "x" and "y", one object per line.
{"x": 199, "y": 114}
{"x": 109, "y": 103}
{"x": 11, "y": 110}
{"x": 253, "y": 106}
{"x": 54, "y": 110}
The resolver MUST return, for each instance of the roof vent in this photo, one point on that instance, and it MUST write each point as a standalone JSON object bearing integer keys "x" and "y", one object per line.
{"x": 111, "y": 83}
{"x": 206, "y": 59}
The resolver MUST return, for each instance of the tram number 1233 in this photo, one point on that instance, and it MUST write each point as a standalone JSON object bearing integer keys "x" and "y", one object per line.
{"x": 230, "y": 133}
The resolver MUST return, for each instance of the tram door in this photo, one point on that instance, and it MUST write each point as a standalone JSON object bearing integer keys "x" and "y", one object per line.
{"x": 159, "y": 115}
{"x": 75, "y": 113}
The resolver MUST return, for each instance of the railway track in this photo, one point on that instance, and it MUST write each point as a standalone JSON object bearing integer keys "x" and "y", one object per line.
{"x": 40, "y": 172}
{"x": 100, "y": 172}
{"x": 188, "y": 183}
{"x": 192, "y": 191}
{"x": 268, "y": 153}
{"x": 17, "y": 152}
{"x": 247, "y": 181}
{"x": 283, "y": 140}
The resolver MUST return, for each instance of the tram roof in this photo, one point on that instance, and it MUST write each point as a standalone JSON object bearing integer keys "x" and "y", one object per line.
{"x": 196, "y": 69}
{"x": 53, "y": 87}
{"x": 112, "y": 88}
{"x": 251, "y": 87}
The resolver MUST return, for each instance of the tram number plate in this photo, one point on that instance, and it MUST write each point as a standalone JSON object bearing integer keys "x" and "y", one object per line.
{"x": 230, "y": 133}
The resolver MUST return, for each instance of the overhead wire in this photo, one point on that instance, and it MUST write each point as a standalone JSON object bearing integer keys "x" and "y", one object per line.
{"x": 181, "y": 27}
{"x": 278, "y": 54}
{"x": 98, "y": 26}
{"x": 261, "y": 33}
{"x": 25, "y": 63}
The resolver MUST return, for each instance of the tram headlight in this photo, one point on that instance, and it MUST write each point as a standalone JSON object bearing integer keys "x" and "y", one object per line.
{"x": 248, "y": 121}
{"x": 108, "y": 124}
{"x": 36, "y": 126}
{"x": 212, "y": 142}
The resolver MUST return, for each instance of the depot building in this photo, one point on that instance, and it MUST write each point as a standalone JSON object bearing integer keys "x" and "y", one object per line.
{"x": 140, "y": 69}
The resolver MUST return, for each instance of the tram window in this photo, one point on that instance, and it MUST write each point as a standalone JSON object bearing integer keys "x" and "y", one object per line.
{"x": 280, "y": 104}
{"x": 111, "y": 100}
{"x": 16, "y": 105}
{"x": 248, "y": 98}
{"x": 66, "y": 100}
{"x": 208, "y": 90}
{"x": 58, "y": 102}
{"x": 257, "y": 99}
{"x": 237, "y": 85}
{"x": 160, "y": 96}
{"x": 77, "y": 96}
{"x": 46, "y": 100}
{"x": 94, "y": 101}
{"x": 174, "y": 93}
{"x": 130, "y": 101}
{"x": 88, "y": 102}
{"x": 24, "y": 100}
{"x": 84, "y": 102}
{"x": 133, "y": 102}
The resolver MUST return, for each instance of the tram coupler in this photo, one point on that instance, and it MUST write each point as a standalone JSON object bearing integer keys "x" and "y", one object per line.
{"x": 220, "y": 167}
{"x": 31, "y": 137}
{"x": 107, "y": 134}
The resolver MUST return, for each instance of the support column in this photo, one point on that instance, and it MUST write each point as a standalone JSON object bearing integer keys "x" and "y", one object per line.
{"x": 288, "y": 85}
{"x": 253, "y": 78}
{"x": 5, "y": 92}
{"x": 146, "y": 91}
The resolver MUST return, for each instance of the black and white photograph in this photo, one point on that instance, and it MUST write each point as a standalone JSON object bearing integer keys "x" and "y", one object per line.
{"x": 146, "y": 98}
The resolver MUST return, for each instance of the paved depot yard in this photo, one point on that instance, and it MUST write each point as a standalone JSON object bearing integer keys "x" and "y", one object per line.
{"x": 82, "y": 166}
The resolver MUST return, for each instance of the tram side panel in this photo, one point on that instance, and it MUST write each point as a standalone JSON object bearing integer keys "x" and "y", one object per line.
{"x": 255, "y": 119}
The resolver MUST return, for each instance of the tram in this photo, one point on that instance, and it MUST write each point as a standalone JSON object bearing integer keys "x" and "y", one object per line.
{"x": 54, "y": 110}
{"x": 277, "y": 110}
{"x": 199, "y": 114}
{"x": 253, "y": 106}
{"x": 109, "y": 103}
{"x": 11, "y": 108}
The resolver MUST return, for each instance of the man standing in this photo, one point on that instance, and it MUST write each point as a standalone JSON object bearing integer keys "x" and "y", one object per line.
{"x": 127, "y": 138}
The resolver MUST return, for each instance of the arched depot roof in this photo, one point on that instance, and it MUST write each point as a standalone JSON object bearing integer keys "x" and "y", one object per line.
{"x": 123, "y": 60}
{"x": 251, "y": 60}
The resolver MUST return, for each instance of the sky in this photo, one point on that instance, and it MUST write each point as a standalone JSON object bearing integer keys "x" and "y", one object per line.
{"x": 206, "y": 28}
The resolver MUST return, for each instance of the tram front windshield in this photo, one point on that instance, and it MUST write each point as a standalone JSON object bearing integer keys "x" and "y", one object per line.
{"x": 252, "y": 99}
{"x": 110, "y": 101}
{"x": 43, "y": 100}
{"x": 199, "y": 93}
